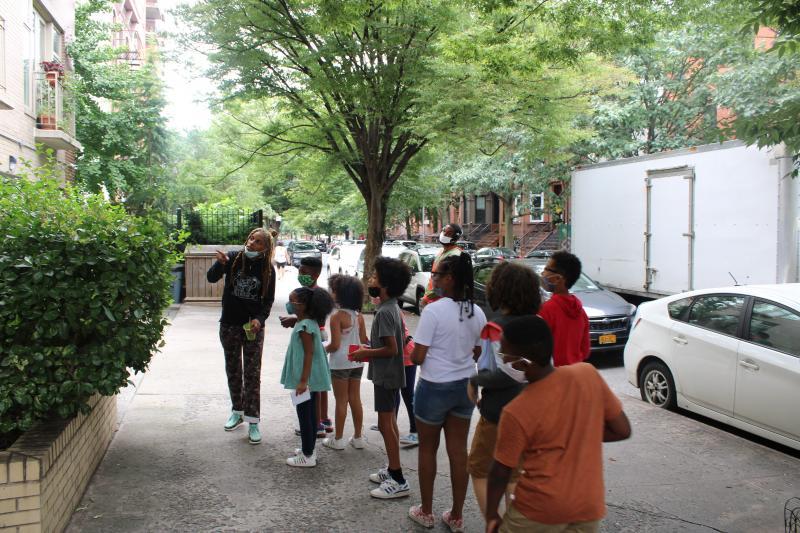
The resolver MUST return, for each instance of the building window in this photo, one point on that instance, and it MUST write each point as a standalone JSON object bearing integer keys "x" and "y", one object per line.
{"x": 480, "y": 210}
{"x": 518, "y": 208}
{"x": 57, "y": 40}
{"x": 537, "y": 207}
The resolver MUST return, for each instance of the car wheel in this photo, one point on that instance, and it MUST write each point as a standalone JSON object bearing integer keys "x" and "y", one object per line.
{"x": 657, "y": 386}
{"x": 420, "y": 294}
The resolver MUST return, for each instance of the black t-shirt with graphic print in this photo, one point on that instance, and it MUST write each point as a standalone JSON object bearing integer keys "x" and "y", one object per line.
{"x": 241, "y": 298}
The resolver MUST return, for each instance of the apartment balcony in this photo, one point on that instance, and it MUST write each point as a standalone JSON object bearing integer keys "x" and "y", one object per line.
{"x": 55, "y": 118}
{"x": 153, "y": 12}
{"x": 130, "y": 47}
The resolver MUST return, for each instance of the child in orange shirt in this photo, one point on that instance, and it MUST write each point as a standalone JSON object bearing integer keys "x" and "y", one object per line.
{"x": 555, "y": 428}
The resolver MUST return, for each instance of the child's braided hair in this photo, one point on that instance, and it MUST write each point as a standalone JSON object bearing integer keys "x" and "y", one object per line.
{"x": 460, "y": 267}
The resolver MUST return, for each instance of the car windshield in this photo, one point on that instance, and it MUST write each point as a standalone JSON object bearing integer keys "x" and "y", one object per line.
{"x": 584, "y": 284}
{"x": 303, "y": 246}
{"x": 507, "y": 252}
{"x": 427, "y": 262}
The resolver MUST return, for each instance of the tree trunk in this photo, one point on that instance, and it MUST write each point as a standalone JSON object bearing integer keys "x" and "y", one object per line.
{"x": 376, "y": 230}
{"x": 508, "y": 238}
{"x": 408, "y": 225}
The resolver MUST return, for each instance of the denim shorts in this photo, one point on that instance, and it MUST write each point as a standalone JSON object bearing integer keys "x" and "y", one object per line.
{"x": 434, "y": 401}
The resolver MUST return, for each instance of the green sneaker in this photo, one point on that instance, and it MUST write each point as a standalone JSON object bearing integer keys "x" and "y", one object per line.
{"x": 254, "y": 435}
{"x": 234, "y": 421}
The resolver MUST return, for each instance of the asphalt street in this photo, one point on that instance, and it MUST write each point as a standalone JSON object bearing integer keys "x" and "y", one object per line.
{"x": 171, "y": 467}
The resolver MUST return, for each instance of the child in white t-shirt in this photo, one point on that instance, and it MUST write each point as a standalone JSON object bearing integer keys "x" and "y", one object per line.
{"x": 447, "y": 345}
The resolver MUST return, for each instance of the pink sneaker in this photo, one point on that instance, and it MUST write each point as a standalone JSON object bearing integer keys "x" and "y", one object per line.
{"x": 415, "y": 513}
{"x": 456, "y": 525}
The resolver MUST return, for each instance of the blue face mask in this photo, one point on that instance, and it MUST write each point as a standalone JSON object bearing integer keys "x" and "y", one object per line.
{"x": 251, "y": 254}
{"x": 290, "y": 308}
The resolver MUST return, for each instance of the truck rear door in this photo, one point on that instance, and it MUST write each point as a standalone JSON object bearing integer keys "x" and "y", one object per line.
{"x": 669, "y": 237}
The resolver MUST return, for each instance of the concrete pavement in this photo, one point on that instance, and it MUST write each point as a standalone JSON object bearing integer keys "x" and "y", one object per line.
{"x": 171, "y": 467}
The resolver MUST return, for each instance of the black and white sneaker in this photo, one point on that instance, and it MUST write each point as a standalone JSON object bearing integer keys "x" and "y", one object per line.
{"x": 380, "y": 476}
{"x": 390, "y": 489}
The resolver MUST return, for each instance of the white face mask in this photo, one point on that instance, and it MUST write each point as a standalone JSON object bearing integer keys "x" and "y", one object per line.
{"x": 513, "y": 373}
{"x": 444, "y": 239}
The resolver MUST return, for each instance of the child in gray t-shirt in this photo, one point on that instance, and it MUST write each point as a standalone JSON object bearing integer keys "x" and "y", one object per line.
{"x": 388, "y": 281}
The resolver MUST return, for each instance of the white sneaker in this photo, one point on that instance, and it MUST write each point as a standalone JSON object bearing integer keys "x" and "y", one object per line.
{"x": 333, "y": 443}
{"x": 391, "y": 489}
{"x": 381, "y": 475}
{"x": 409, "y": 440}
{"x": 303, "y": 461}
{"x": 357, "y": 442}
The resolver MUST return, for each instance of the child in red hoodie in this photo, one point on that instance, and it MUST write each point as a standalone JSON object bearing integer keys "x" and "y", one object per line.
{"x": 563, "y": 312}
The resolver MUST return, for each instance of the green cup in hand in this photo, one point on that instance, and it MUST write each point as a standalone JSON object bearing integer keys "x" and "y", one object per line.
{"x": 248, "y": 331}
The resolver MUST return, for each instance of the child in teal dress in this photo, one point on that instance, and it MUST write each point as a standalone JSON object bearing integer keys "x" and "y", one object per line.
{"x": 306, "y": 365}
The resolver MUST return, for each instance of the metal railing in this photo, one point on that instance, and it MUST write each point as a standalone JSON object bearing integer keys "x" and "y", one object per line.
{"x": 473, "y": 232}
{"x": 216, "y": 226}
{"x": 131, "y": 48}
{"x": 54, "y": 103}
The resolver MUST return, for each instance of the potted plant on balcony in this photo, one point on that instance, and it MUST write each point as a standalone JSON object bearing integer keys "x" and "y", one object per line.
{"x": 53, "y": 70}
{"x": 46, "y": 118}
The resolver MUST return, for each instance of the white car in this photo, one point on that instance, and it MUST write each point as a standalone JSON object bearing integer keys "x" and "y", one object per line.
{"x": 389, "y": 249}
{"x": 343, "y": 259}
{"x": 731, "y": 354}
{"x": 420, "y": 261}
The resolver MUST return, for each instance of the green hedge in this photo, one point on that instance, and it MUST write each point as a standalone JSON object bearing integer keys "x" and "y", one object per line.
{"x": 83, "y": 286}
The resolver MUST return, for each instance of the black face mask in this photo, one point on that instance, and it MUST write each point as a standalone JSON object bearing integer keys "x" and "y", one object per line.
{"x": 374, "y": 291}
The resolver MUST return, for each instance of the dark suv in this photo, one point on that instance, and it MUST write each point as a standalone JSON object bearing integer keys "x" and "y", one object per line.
{"x": 299, "y": 249}
{"x": 609, "y": 315}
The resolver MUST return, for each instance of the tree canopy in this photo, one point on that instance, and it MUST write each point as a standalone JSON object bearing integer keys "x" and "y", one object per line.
{"x": 119, "y": 118}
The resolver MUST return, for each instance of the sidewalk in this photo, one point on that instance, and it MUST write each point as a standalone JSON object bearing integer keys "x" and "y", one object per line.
{"x": 171, "y": 467}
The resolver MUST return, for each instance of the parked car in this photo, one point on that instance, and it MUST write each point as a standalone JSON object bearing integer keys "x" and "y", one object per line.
{"x": 343, "y": 259}
{"x": 321, "y": 246}
{"x": 421, "y": 262}
{"x": 731, "y": 354}
{"x": 411, "y": 245}
{"x": 610, "y": 316}
{"x": 469, "y": 247}
{"x": 389, "y": 249}
{"x": 297, "y": 250}
{"x": 541, "y": 254}
{"x": 494, "y": 253}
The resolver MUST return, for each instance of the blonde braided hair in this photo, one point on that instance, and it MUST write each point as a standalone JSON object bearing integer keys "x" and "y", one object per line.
{"x": 266, "y": 271}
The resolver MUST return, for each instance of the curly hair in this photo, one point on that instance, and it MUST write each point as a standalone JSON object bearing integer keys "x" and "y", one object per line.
{"x": 317, "y": 301}
{"x": 348, "y": 291}
{"x": 568, "y": 265}
{"x": 266, "y": 269}
{"x": 393, "y": 274}
{"x": 515, "y": 288}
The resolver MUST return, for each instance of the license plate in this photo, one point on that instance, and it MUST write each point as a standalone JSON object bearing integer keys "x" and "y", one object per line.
{"x": 607, "y": 339}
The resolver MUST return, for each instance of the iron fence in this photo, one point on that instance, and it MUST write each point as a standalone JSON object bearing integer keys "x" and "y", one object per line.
{"x": 218, "y": 226}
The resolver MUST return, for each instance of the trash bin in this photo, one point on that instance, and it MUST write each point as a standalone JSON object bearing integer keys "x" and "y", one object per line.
{"x": 177, "y": 283}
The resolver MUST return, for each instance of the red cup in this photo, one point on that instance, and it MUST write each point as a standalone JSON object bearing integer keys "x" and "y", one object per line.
{"x": 350, "y": 349}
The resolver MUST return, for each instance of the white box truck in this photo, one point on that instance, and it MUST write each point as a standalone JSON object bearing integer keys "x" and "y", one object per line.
{"x": 701, "y": 217}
